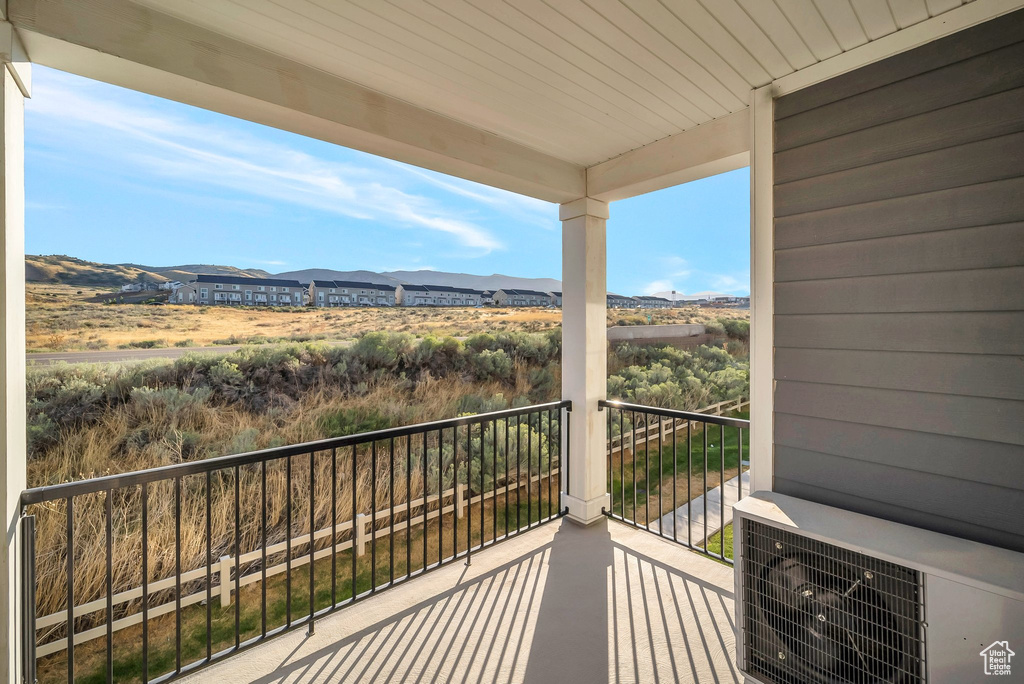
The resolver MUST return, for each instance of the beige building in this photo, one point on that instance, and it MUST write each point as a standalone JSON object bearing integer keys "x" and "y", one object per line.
{"x": 438, "y": 295}
{"x": 240, "y": 291}
{"x": 328, "y": 293}
{"x": 511, "y": 297}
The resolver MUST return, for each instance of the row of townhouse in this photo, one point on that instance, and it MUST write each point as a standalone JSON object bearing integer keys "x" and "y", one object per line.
{"x": 510, "y": 297}
{"x": 615, "y": 301}
{"x": 240, "y": 291}
{"x": 351, "y": 293}
{"x": 441, "y": 295}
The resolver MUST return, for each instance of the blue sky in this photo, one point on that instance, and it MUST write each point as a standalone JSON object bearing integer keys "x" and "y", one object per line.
{"x": 117, "y": 176}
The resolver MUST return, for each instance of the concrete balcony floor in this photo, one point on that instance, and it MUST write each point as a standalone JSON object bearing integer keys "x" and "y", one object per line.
{"x": 560, "y": 603}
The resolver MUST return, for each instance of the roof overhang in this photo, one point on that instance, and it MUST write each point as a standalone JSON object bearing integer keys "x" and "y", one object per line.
{"x": 131, "y": 44}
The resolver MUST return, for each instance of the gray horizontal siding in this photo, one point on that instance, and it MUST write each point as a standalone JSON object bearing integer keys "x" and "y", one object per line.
{"x": 949, "y": 250}
{"x": 972, "y": 375}
{"x": 980, "y": 418}
{"x": 906, "y": 293}
{"x": 974, "y": 205}
{"x": 991, "y": 505}
{"x": 985, "y": 332}
{"x": 993, "y": 463}
{"x": 899, "y": 289}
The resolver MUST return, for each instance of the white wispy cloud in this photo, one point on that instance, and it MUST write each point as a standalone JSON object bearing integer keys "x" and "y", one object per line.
{"x": 212, "y": 156}
{"x": 680, "y": 276}
{"x": 657, "y": 286}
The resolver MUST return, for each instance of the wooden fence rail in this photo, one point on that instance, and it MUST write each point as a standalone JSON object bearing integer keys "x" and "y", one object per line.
{"x": 645, "y": 433}
{"x": 221, "y": 569}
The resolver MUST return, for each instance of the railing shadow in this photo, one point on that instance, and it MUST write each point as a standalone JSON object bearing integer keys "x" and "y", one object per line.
{"x": 580, "y": 608}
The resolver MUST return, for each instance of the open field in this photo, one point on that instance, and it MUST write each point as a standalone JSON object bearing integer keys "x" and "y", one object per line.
{"x": 69, "y": 318}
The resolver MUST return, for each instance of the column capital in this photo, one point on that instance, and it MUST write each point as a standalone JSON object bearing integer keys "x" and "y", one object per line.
{"x": 584, "y": 206}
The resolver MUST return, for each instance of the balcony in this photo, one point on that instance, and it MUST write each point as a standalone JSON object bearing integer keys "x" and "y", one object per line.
{"x": 173, "y": 570}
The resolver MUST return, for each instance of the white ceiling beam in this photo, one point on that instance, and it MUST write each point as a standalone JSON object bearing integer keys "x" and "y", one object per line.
{"x": 135, "y": 47}
{"x": 705, "y": 150}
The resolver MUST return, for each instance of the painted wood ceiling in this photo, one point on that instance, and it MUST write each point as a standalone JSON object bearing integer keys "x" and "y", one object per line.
{"x": 581, "y": 80}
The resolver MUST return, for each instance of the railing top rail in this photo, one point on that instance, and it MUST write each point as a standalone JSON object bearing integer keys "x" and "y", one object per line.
{"x": 672, "y": 413}
{"x": 46, "y": 493}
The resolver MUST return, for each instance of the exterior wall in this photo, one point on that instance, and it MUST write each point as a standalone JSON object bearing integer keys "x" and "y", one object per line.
{"x": 328, "y": 294}
{"x": 899, "y": 287}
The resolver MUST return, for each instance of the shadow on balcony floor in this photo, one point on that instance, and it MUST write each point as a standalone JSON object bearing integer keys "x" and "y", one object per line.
{"x": 559, "y": 604}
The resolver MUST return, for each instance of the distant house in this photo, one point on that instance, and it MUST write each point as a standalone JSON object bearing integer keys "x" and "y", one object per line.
{"x": 330, "y": 293}
{"x": 556, "y": 298}
{"x": 221, "y": 290}
{"x": 615, "y": 301}
{"x": 438, "y": 295}
{"x": 171, "y": 285}
{"x": 487, "y": 297}
{"x": 515, "y": 297}
{"x": 652, "y": 303}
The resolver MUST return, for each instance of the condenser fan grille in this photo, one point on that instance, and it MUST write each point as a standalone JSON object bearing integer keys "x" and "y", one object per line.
{"x": 815, "y": 612}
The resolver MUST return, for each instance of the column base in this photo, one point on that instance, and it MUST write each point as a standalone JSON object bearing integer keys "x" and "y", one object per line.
{"x": 585, "y": 512}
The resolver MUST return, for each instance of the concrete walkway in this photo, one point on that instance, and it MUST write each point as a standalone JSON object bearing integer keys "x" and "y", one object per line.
{"x": 714, "y": 512}
{"x": 561, "y": 603}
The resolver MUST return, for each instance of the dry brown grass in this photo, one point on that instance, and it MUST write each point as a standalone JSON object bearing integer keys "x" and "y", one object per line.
{"x": 59, "y": 319}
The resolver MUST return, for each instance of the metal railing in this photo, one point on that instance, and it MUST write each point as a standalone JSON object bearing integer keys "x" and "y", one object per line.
{"x": 668, "y": 460}
{"x": 313, "y": 528}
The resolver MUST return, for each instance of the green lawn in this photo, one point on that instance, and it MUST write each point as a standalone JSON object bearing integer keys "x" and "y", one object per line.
{"x": 715, "y": 542}
{"x": 654, "y": 470}
{"x": 90, "y": 658}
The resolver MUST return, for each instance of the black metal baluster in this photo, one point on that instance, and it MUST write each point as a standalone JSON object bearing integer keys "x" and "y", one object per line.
{"x": 391, "y": 513}
{"x": 263, "y": 548}
{"x": 661, "y": 471}
{"x": 440, "y": 496}
{"x": 469, "y": 484}
{"x": 721, "y": 488}
{"x": 354, "y": 535}
{"x": 568, "y": 450}
{"x": 739, "y": 463}
{"x": 334, "y": 528}
{"x": 145, "y": 580}
{"x": 312, "y": 542}
{"x": 423, "y": 463}
{"x": 373, "y": 517}
{"x": 408, "y": 505}
{"x": 506, "y": 476}
{"x": 238, "y": 558}
{"x": 519, "y": 478}
{"x": 632, "y": 444}
{"x": 689, "y": 494}
{"x": 71, "y": 589}
{"x": 563, "y": 465}
{"x": 611, "y": 483}
{"x": 704, "y": 431}
{"x": 483, "y": 460}
{"x": 209, "y": 571}
{"x": 110, "y": 586}
{"x": 622, "y": 464}
{"x": 177, "y": 574}
{"x": 647, "y": 470}
{"x": 549, "y": 461}
{"x": 529, "y": 470}
{"x": 288, "y": 541}
{"x": 494, "y": 481}
{"x": 675, "y": 485}
{"x": 455, "y": 490}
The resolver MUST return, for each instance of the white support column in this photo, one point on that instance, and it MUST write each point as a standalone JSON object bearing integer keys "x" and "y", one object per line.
{"x": 762, "y": 286}
{"x": 16, "y": 80}
{"x": 584, "y": 354}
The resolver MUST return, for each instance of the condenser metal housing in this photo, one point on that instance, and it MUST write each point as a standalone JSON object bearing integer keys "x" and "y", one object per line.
{"x": 824, "y": 595}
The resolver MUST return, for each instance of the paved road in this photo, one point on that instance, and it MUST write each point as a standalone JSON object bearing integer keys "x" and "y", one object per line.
{"x": 113, "y": 356}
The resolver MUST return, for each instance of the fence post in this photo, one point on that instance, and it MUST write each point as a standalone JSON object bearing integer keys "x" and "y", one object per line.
{"x": 460, "y": 502}
{"x": 225, "y": 581}
{"x": 360, "y": 530}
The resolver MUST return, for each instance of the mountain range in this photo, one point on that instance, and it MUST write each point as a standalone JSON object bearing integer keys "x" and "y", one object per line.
{"x": 73, "y": 271}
